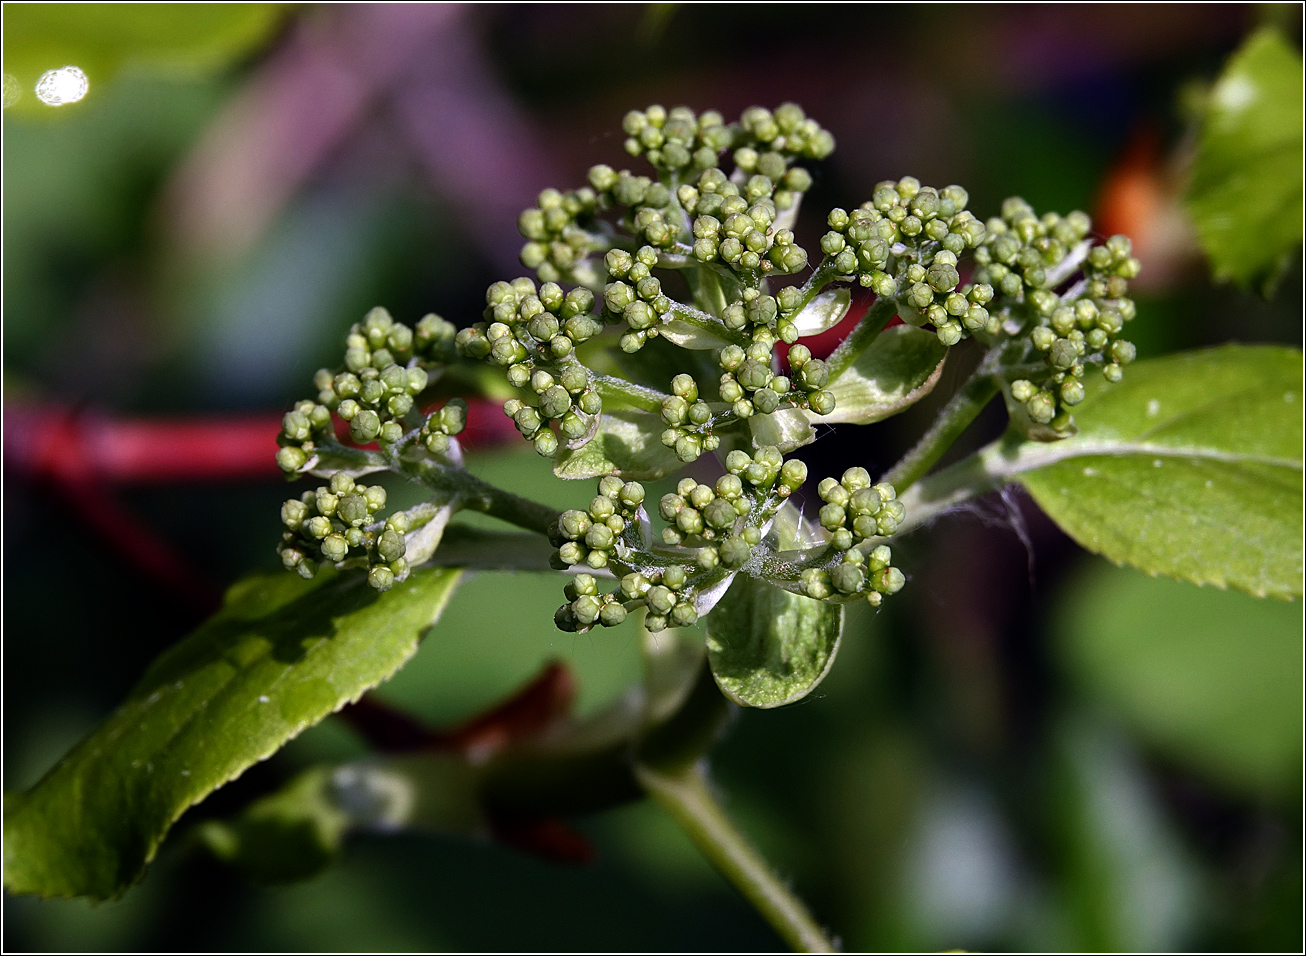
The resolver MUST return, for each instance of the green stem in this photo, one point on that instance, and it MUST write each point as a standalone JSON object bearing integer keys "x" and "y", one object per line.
{"x": 955, "y": 418}
{"x": 823, "y": 275}
{"x": 465, "y": 490}
{"x": 482, "y": 496}
{"x": 871, "y": 325}
{"x": 707, "y": 323}
{"x": 927, "y": 499}
{"x": 686, "y": 797}
{"x": 628, "y": 393}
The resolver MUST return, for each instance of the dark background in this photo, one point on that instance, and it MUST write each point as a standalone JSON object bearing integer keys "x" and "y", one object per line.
{"x": 1028, "y": 749}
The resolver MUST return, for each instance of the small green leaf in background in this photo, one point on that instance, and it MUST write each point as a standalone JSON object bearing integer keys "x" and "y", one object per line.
{"x": 1127, "y": 882}
{"x": 1246, "y": 191}
{"x": 1211, "y": 679}
{"x": 1191, "y": 467}
{"x": 281, "y": 654}
{"x": 897, "y": 370}
{"x": 102, "y": 38}
{"x": 768, "y": 647}
{"x": 293, "y": 834}
{"x": 628, "y": 443}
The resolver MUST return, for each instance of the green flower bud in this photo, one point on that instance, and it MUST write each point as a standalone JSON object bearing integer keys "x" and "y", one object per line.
{"x": 318, "y": 526}
{"x": 675, "y": 577}
{"x": 381, "y": 578}
{"x": 735, "y": 551}
{"x": 660, "y": 599}
{"x": 815, "y": 583}
{"x": 334, "y": 547}
{"x": 683, "y": 615}
{"x": 365, "y": 426}
{"x": 848, "y": 578}
{"x": 291, "y": 459}
{"x": 546, "y": 443}
{"x": 390, "y": 546}
{"x": 888, "y": 580}
{"x": 612, "y": 614}
{"x": 1122, "y": 352}
{"x": 293, "y": 514}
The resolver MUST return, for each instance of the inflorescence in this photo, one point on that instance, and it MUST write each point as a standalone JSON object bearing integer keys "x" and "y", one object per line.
{"x": 715, "y": 219}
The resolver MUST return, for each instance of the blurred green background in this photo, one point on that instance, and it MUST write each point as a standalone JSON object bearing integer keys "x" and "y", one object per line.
{"x": 1028, "y": 750}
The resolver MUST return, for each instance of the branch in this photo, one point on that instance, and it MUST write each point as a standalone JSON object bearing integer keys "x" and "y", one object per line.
{"x": 686, "y": 797}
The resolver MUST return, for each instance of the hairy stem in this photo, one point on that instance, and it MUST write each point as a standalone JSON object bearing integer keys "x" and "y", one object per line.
{"x": 955, "y": 418}
{"x": 686, "y": 797}
{"x": 628, "y": 393}
{"x": 871, "y": 325}
{"x": 484, "y": 497}
{"x": 822, "y": 276}
{"x": 465, "y": 490}
{"x": 707, "y": 323}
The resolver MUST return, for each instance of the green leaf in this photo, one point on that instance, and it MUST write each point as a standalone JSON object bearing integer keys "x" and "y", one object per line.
{"x": 1192, "y": 468}
{"x": 897, "y": 370}
{"x": 628, "y": 443}
{"x": 1212, "y": 679}
{"x": 102, "y": 38}
{"x": 1246, "y": 190}
{"x": 279, "y": 656}
{"x": 768, "y": 647}
{"x": 294, "y": 833}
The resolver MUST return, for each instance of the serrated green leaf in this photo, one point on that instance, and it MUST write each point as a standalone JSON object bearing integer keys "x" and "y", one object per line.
{"x": 281, "y": 654}
{"x": 897, "y": 370}
{"x": 628, "y": 443}
{"x": 294, "y": 833}
{"x": 101, "y": 38}
{"x": 1211, "y": 679}
{"x": 823, "y": 313}
{"x": 1192, "y": 468}
{"x": 768, "y": 647}
{"x": 1246, "y": 190}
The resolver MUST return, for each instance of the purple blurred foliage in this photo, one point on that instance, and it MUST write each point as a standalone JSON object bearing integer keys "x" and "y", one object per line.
{"x": 416, "y": 68}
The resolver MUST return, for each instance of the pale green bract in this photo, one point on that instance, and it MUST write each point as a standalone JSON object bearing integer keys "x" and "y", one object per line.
{"x": 768, "y": 647}
{"x": 897, "y": 370}
{"x": 282, "y": 654}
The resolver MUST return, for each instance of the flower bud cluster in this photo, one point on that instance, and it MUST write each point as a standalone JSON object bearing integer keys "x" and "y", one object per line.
{"x": 443, "y": 422}
{"x": 858, "y": 573}
{"x": 854, "y": 511}
{"x": 688, "y": 419}
{"x": 678, "y": 139}
{"x": 905, "y": 244}
{"x": 385, "y": 370}
{"x": 588, "y": 606}
{"x": 669, "y": 594}
{"x": 651, "y": 215}
{"x": 556, "y": 233}
{"x": 635, "y": 295}
{"x": 335, "y": 524}
{"x": 712, "y": 516}
{"x": 533, "y": 333}
{"x": 734, "y": 221}
{"x": 1024, "y": 257}
{"x": 590, "y": 537}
